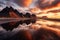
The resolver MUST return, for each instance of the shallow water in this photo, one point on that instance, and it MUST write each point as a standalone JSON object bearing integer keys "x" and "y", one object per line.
{"x": 46, "y": 28}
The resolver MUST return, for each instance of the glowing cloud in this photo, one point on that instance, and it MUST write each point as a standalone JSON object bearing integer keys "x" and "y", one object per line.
{"x": 25, "y": 3}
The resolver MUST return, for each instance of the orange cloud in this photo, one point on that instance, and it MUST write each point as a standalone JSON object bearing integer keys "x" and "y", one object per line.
{"x": 44, "y": 4}
{"x": 25, "y": 3}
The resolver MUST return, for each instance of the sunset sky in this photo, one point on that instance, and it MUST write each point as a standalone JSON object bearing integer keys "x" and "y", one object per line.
{"x": 42, "y": 4}
{"x": 20, "y": 3}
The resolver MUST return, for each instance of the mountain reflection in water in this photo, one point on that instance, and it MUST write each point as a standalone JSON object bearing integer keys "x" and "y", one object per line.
{"x": 39, "y": 30}
{"x": 31, "y": 29}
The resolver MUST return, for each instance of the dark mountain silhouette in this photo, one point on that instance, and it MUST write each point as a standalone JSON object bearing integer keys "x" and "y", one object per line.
{"x": 4, "y": 12}
{"x": 10, "y": 12}
{"x": 27, "y": 15}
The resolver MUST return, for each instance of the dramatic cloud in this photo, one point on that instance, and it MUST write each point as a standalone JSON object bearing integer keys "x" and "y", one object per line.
{"x": 24, "y": 3}
{"x": 47, "y": 3}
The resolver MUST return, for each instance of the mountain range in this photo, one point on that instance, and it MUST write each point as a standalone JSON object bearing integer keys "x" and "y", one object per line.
{"x": 10, "y": 12}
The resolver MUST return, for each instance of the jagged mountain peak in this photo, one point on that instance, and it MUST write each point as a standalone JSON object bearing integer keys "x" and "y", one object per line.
{"x": 6, "y": 10}
{"x": 10, "y": 12}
